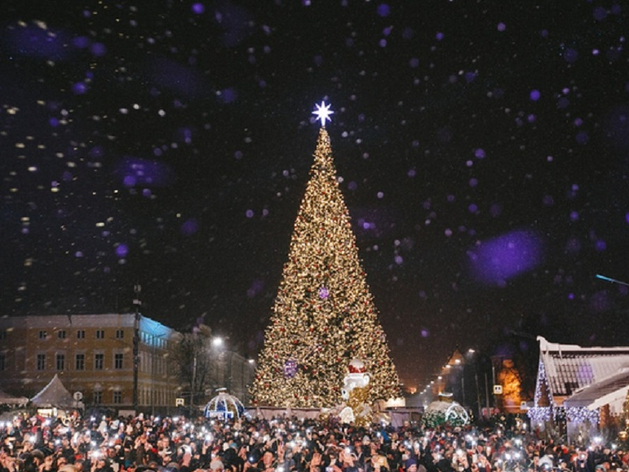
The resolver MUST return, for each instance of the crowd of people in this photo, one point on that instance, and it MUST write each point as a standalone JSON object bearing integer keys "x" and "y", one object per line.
{"x": 178, "y": 444}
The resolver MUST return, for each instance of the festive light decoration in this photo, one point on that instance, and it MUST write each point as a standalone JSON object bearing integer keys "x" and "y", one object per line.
{"x": 323, "y": 112}
{"x": 322, "y": 333}
{"x": 624, "y": 433}
{"x": 224, "y": 406}
{"x": 290, "y": 368}
{"x": 439, "y": 413}
{"x": 456, "y": 415}
{"x": 580, "y": 414}
{"x": 542, "y": 385}
{"x": 539, "y": 414}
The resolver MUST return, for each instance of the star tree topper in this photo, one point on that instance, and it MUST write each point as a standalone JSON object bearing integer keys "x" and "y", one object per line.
{"x": 323, "y": 112}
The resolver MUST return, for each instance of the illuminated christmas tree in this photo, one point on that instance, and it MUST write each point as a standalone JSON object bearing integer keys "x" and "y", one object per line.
{"x": 324, "y": 315}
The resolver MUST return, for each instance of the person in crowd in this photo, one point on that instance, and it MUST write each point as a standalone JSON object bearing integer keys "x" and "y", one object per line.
{"x": 177, "y": 444}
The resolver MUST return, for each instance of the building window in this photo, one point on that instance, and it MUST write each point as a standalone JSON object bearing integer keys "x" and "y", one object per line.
{"x": 80, "y": 334}
{"x": 100, "y": 334}
{"x": 61, "y": 334}
{"x": 3, "y": 334}
{"x": 120, "y": 334}
{"x": 3, "y": 361}
{"x": 79, "y": 362}
{"x": 118, "y": 360}
{"x": 98, "y": 398}
{"x": 117, "y": 397}
{"x": 61, "y": 361}
{"x": 99, "y": 360}
{"x": 43, "y": 334}
{"x": 41, "y": 361}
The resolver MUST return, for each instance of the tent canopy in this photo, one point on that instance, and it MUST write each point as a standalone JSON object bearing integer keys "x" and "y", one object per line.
{"x": 6, "y": 399}
{"x": 54, "y": 395}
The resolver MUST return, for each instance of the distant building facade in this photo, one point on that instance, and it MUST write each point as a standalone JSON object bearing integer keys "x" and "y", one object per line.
{"x": 235, "y": 373}
{"x": 92, "y": 354}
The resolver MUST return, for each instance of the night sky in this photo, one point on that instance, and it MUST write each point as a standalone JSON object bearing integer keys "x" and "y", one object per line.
{"x": 483, "y": 148}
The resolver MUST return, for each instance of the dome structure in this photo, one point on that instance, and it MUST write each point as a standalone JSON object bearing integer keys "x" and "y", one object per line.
{"x": 224, "y": 406}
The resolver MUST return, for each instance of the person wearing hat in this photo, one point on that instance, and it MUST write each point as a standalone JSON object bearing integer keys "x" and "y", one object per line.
{"x": 410, "y": 465}
{"x": 229, "y": 455}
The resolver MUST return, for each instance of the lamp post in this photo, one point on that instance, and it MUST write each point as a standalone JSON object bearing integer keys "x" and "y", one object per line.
{"x": 472, "y": 355}
{"x": 217, "y": 346}
{"x": 136, "y": 344}
{"x": 251, "y": 363}
{"x": 193, "y": 382}
{"x": 233, "y": 371}
{"x": 224, "y": 361}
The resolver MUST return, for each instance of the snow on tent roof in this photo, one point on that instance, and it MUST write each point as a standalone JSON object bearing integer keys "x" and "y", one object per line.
{"x": 6, "y": 399}
{"x": 54, "y": 395}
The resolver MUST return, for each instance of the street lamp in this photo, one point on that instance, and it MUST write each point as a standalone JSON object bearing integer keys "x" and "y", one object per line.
{"x": 233, "y": 371}
{"x": 136, "y": 344}
{"x": 471, "y": 354}
{"x": 218, "y": 344}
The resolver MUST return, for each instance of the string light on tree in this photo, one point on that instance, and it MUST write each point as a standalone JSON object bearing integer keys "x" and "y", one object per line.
{"x": 324, "y": 315}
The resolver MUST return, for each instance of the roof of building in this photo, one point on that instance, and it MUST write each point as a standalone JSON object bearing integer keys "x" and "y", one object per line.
{"x": 454, "y": 360}
{"x": 611, "y": 389}
{"x": 569, "y": 367}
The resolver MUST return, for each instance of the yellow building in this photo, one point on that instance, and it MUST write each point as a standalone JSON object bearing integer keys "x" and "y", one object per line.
{"x": 94, "y": 355}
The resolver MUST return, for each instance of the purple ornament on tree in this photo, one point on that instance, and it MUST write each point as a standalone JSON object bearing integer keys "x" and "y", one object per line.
{"x": 290, "y": 368}
{"x": 324, "y": 293}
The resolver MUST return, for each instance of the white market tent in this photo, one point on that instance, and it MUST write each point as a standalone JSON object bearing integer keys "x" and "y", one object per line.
{"x": 6, "y": 399}
{"x": 54, "y": 395}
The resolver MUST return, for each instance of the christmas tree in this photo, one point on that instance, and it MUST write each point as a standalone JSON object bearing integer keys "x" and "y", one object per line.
{"x": 324, "y": 315}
